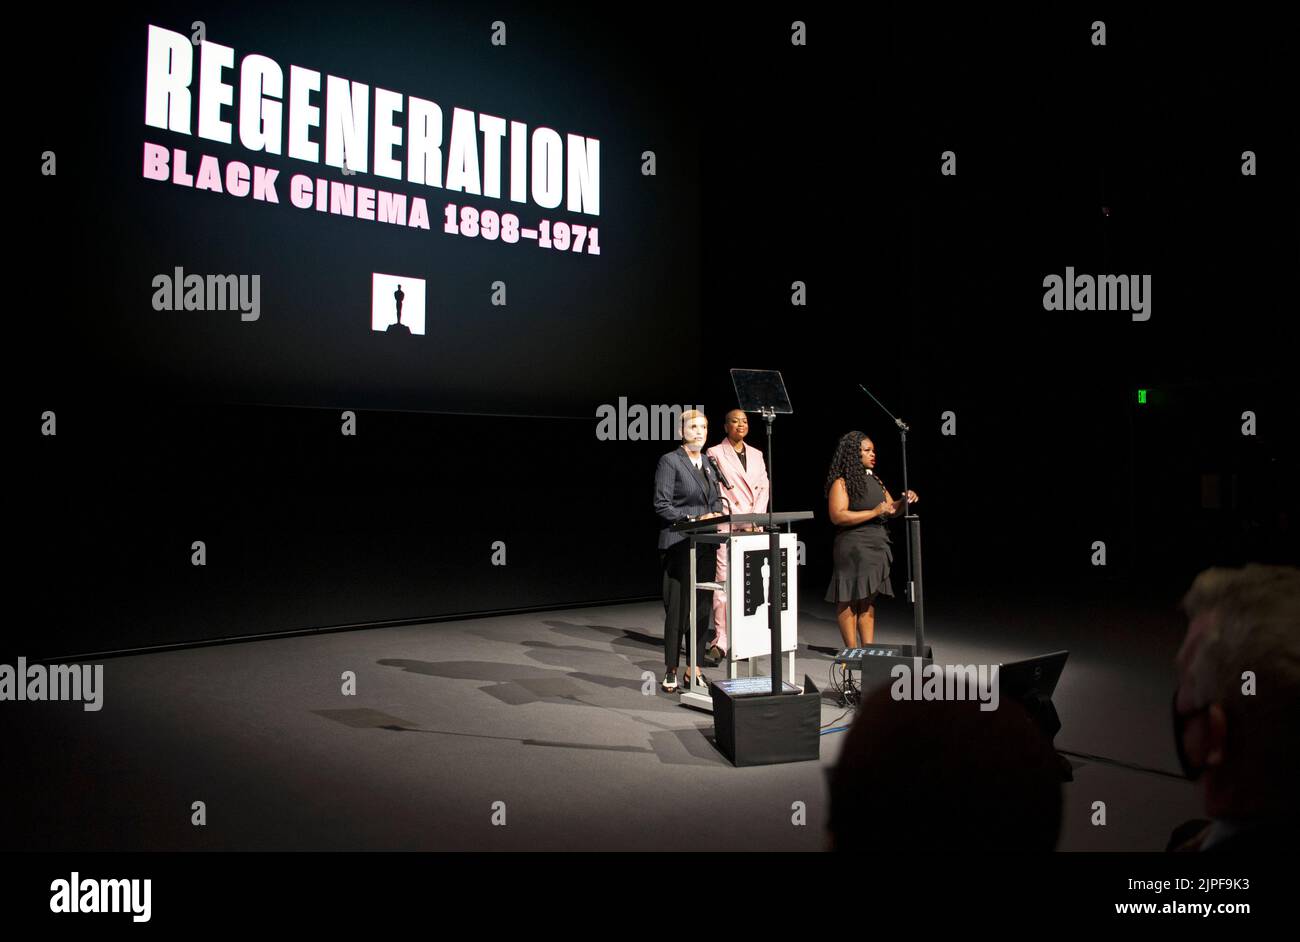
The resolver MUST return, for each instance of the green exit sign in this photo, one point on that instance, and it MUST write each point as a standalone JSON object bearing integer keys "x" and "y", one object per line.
{"x": 1142, "y": 397}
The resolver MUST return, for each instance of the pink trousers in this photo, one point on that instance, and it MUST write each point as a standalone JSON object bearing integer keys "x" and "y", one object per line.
{"x": 720, "y": 603}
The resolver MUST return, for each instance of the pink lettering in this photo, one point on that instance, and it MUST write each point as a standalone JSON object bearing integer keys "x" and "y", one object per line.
{"x": 209, "y": 174}
{"x": 341, "y": 197}
{"x": 264, "y": 184}
{"x": 392, "y": 207}
{"x": 419, "y": 213}
{"x": 300, "y": 191}
{"x": 155, "y": 162}
{"x": 365, "y": 203}
{"x": 237, "y": 178}
{"x": 178, "y": 169}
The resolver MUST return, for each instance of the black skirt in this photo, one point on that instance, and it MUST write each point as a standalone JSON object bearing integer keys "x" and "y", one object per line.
{"x": 862, "y": 557}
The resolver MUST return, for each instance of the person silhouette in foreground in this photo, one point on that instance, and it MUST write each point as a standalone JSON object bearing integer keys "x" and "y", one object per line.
{"x": 944, "y": 775}
{"x": 1236, "y": 711}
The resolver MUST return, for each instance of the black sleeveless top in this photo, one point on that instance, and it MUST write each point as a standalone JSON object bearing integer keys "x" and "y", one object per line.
{"x": 870, "y": 500}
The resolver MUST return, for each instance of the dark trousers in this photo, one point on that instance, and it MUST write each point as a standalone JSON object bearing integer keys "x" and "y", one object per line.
{"x": 675, "y": 562}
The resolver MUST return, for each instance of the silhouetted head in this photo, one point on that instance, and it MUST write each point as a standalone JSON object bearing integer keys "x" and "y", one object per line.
{"x": 1237, "y": 705}
{"x": 944, "y": 775}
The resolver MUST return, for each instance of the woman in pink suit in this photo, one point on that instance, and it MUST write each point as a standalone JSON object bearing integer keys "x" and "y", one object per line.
{"x": 744, "y": 470}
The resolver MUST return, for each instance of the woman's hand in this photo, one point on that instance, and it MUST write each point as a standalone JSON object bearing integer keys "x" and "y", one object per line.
{"x": 884, "y": 509}
{"x": 911, "y": 496}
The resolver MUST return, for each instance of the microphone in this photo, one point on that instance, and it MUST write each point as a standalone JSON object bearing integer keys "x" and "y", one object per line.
{"x": 717, "y": 469}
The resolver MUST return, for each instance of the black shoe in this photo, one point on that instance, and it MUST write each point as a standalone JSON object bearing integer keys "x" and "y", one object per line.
{"x": 670, "y": 682}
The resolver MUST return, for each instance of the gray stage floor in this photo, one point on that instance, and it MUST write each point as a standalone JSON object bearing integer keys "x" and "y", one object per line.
{"x": 544, "y": 712}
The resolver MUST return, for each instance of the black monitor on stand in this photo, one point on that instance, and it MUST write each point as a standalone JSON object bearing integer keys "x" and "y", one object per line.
{"x": 763, "y": 391}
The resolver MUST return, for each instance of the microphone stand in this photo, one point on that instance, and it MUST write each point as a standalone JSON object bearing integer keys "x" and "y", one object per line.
{"x": 769, "y": 416}
{"x": 773, "y": 565}
{"x": 914, "y": 592}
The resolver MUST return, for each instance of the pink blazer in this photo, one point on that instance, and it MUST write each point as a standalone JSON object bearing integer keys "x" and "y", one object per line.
{"x": 748, "y": 491}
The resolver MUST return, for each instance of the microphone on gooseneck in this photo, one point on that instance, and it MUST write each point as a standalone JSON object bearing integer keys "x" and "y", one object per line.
{"x": 717, "y": 469}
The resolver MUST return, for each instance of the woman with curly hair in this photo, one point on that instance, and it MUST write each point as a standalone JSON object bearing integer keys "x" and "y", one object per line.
{"x": 859, "y": 505}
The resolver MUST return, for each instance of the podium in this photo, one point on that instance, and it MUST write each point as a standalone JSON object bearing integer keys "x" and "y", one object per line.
{"x": 761, "y": 592}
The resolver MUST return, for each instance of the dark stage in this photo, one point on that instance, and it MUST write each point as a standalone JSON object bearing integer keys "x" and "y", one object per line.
{"x": 545, "y": 712}
{"x": 356, "y": 347}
